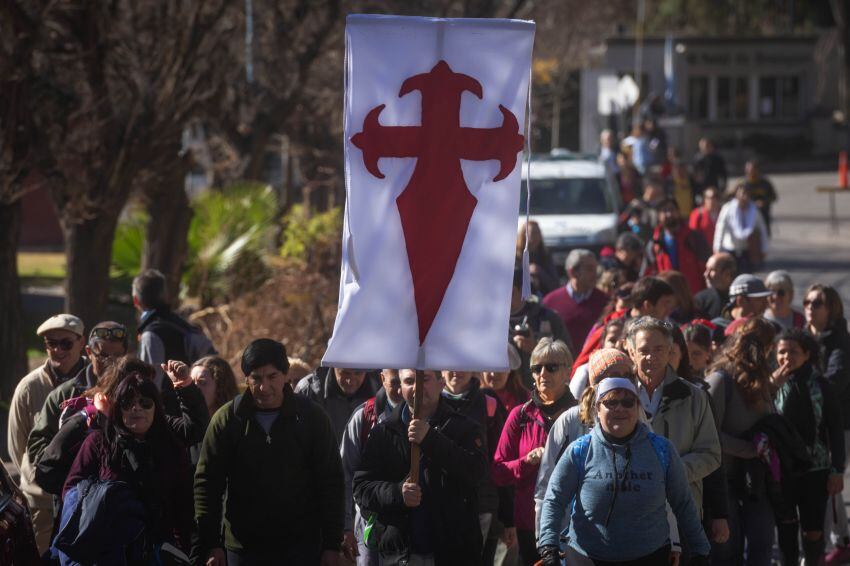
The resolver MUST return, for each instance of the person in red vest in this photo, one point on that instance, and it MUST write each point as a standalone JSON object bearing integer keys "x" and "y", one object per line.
{"x": 675, "y": 246}
{"x": 579, "y": 303}
{"x": 703, "y": 219}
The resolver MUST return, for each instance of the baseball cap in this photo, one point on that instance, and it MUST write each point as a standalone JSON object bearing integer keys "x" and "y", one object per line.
{"x": 62, "y": 322}
{"x": 749, "y": 285}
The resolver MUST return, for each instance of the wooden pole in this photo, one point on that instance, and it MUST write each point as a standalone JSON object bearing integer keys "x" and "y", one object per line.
{"x": 415, "y": 448}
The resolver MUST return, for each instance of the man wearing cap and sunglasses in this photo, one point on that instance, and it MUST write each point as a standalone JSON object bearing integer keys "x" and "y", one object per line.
{"x": 63, "y": 340}
{"x": 747, "y": 298}
{"x": 107, "y": 341}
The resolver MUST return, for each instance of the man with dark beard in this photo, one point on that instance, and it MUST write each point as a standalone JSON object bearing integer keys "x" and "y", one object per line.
{"x": 674, "y": 246}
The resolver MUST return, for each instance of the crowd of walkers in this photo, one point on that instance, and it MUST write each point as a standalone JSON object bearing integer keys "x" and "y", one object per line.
{"x": 663, "y": 405}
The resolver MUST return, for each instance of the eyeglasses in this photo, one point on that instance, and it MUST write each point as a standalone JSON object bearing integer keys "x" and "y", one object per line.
{"x": 816, "y": 304}
{"x": 65, "y": 344}
{"x": 103, "y": 358}
{"x": 626, "y": 403}
{"x": 144, "y": 403}
{"x": 779, "y": 293}
{"x": 116, "y": 333}
{"x": 551, "y": 368}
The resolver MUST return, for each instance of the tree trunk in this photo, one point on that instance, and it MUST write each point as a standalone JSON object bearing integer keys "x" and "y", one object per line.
{"x": 166, "y": 239}
{"x": 11, "y": 320}
{"x": 88, "y": 253}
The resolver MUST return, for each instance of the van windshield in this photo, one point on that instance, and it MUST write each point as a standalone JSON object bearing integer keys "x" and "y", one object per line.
{"x": 568, "y": 196}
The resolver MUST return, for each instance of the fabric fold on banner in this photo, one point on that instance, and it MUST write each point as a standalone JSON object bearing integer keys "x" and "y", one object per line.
{"x": 435, "y": 113}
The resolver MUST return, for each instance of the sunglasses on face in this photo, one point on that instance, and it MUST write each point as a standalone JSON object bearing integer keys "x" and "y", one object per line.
{"x": 65, "y": 344}
{"x": 816, "y": 304}
{"x": 779, "y": 293}
{"x": 145, "y": 403}
{"x": 551, "y": 368}
{"x": 117, "y": 333}
{"x": 627, "y": 403}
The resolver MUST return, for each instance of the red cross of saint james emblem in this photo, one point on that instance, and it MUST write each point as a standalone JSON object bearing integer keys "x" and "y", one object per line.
{"x": 436, "y": 206}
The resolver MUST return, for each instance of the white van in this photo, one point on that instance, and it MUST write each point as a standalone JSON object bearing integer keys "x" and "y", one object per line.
{"x": 573, "y": 201}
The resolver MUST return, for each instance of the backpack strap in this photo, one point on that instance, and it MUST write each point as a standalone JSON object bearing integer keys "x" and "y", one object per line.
{"x": 369, "y": 420}
{"x": 662, "y": 449}
{"x": 302, "y": 430}
{"x": 578, "y": 455}
{"x": 523, "y": 415}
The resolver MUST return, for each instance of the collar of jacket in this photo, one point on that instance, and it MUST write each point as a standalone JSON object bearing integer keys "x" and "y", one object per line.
{"x": 674, "y": 389}
{"x": 440, "y": 416}
{"x": 330, "y": 387}
{"x": 85, "y": 378}
{"x": 247, "y": 407}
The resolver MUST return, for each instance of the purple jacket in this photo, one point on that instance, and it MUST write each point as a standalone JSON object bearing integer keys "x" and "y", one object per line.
{"x": 524, "y": 431}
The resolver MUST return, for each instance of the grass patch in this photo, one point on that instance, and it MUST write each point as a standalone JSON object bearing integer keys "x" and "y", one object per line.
{"x": 41, "y": 265}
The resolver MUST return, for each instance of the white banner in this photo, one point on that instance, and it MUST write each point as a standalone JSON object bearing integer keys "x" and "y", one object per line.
{"x": 434, "y": 133}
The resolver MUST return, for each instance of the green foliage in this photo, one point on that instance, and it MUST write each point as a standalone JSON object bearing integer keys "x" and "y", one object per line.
{"x": 128, "y": 244}
{"x": 312, "y": 238}
{"x": 230, "y": 231}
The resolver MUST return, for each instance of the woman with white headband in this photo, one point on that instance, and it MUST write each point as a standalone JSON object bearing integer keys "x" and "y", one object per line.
{"x": 616, "y": 482}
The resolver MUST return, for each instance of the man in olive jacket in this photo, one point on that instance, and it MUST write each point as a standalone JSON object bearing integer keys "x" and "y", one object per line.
{"x": 273, "y": 457}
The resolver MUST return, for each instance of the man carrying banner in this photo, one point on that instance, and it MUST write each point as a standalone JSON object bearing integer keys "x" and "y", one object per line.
{"x": 433, "y": 520}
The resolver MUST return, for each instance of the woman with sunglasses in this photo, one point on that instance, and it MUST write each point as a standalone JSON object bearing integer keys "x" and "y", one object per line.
{"x": 779, "y": 302}
{"x": 616, "y": 482}
{"x": 739, "y": 383}
{"x": 137, "y": 446}
{"x": 825, "y": 320}
{"x": 520, "y": 448}
{"x": 577, "y": 420}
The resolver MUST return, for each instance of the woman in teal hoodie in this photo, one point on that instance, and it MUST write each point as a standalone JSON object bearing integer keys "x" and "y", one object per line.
{"x": 616, "y": 482}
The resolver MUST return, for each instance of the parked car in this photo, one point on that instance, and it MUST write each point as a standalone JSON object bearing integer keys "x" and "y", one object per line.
{"x": 573, "y": 201}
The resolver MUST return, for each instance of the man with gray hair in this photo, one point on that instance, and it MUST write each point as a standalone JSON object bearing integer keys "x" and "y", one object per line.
{"x": 579, "y": 303}
{"x": 674, "y": 408}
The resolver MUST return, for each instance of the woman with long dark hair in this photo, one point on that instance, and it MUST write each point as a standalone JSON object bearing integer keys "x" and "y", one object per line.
{"x": 137, "y": 447}
{"x": 741, "y": 392}
{"x": 808, "y": 401}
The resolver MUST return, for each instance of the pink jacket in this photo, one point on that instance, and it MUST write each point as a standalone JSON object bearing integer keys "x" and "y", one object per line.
{"x": 524, "y": 431}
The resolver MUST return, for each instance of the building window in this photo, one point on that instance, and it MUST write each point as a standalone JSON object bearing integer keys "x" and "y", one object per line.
{"x": 779, "y": 97}
{"x": 698, "y": 97}
{"x": 790, "y": 97}
{"x": 732, "y": 98}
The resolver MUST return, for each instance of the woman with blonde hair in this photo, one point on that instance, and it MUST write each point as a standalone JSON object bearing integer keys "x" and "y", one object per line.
{"x": 520, "y": 448}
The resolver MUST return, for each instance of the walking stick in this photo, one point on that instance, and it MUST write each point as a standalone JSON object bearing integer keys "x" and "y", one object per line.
{"x": 415, "y": 448}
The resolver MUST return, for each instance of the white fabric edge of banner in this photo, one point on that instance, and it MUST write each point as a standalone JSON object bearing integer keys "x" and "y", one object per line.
{"x": 483, "y": 22}
{"x": 526, "y": 260}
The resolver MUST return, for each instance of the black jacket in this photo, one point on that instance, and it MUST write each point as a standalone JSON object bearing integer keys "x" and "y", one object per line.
{"x": 453, "y": 462}
{"x": 478, "y": 404}
{"x": 835, "y": 354}
{"x": 275, "y": 492}
{"x": 185, "y": 412}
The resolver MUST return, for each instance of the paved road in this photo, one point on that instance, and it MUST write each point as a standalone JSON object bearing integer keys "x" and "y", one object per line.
{"x": 802, "y": 242}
